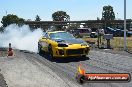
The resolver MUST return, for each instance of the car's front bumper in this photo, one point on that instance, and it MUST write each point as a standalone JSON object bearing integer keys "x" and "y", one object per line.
{"x": 70, "y": 51}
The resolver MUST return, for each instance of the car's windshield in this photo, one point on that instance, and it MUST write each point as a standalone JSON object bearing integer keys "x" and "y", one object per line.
{"x": 61, "y": 35}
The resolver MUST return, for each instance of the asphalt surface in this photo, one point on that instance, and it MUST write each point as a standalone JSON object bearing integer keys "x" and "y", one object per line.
{"x": 2, "y": 81}
{"x": 24, "y": 71}
{"x": 98, "y": 61}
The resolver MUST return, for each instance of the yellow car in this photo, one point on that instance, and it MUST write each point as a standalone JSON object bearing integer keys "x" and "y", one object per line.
{"x": 62, "y": 44}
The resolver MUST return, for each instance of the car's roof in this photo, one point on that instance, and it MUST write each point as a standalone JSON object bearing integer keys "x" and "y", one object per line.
{"x": 55, "y": 31}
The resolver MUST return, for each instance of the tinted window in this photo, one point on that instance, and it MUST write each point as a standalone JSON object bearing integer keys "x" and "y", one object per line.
{"x": 61, "y": 35}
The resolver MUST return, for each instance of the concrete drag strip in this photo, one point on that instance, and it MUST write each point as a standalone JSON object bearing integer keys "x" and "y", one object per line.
{"x": 19, "y": 72}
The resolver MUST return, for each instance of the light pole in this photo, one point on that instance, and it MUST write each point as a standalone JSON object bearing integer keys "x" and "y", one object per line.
{"x": 125, "y": 48}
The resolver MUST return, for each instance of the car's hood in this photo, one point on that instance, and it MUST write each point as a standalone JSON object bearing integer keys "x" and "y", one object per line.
{"x": 69, "y": 40}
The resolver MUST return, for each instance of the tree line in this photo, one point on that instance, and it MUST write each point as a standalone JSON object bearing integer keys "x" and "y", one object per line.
{"x": 107, "y": 14}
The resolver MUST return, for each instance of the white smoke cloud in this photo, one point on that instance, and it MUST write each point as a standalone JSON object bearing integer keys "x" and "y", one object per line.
{"x": 21, "y": 37}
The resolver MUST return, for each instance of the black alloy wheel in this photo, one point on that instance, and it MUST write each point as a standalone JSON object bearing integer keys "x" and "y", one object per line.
{"x": 40, "y": 49}
{"x": 50, "y": 53}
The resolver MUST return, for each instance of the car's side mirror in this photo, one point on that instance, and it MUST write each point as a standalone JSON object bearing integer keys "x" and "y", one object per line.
{"x": 76, "y": 36}
{"x": 43, "y": 37}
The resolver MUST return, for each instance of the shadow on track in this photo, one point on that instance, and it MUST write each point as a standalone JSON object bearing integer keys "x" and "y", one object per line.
{"x": 26, "y": 51}
{"x": 58, "y": 60}
{"x": 64, "y": 60}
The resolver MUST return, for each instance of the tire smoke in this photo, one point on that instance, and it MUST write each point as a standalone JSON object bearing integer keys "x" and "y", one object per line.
{"x": 21, "y": 37}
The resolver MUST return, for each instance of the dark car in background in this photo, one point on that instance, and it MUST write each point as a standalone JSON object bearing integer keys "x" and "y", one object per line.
{"x": 109, "y": 30}
{"x": 117, "y": 32}
{"x": 129, "y": 33}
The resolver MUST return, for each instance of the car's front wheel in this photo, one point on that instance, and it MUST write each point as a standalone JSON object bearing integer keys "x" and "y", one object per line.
{"x": 40, "y": 49}
{"x": 50, "y": 52}
{"x": 85, "y": 57}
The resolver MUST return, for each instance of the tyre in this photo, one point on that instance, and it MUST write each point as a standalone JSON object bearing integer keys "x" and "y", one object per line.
{"x": 84, "y": 56}
{"x": 40, "y": 49}
{"x": 50, "y": 53}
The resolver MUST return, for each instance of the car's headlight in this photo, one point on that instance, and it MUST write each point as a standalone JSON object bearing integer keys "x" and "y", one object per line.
{"x": 84, "y": 44}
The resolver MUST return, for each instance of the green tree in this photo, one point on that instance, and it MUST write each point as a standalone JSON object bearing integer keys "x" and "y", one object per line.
{"x": 108, "y": 13}
{"x": 10, "y": 19}
{"x": 37, "y": 18}
{"x": 60, "y": 16}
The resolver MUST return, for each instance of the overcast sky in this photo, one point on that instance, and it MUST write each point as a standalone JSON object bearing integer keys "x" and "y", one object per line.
{"x": 77, "y": 9}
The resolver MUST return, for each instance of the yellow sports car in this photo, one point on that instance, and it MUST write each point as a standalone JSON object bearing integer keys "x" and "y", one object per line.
{"x": 62, "y": 44}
